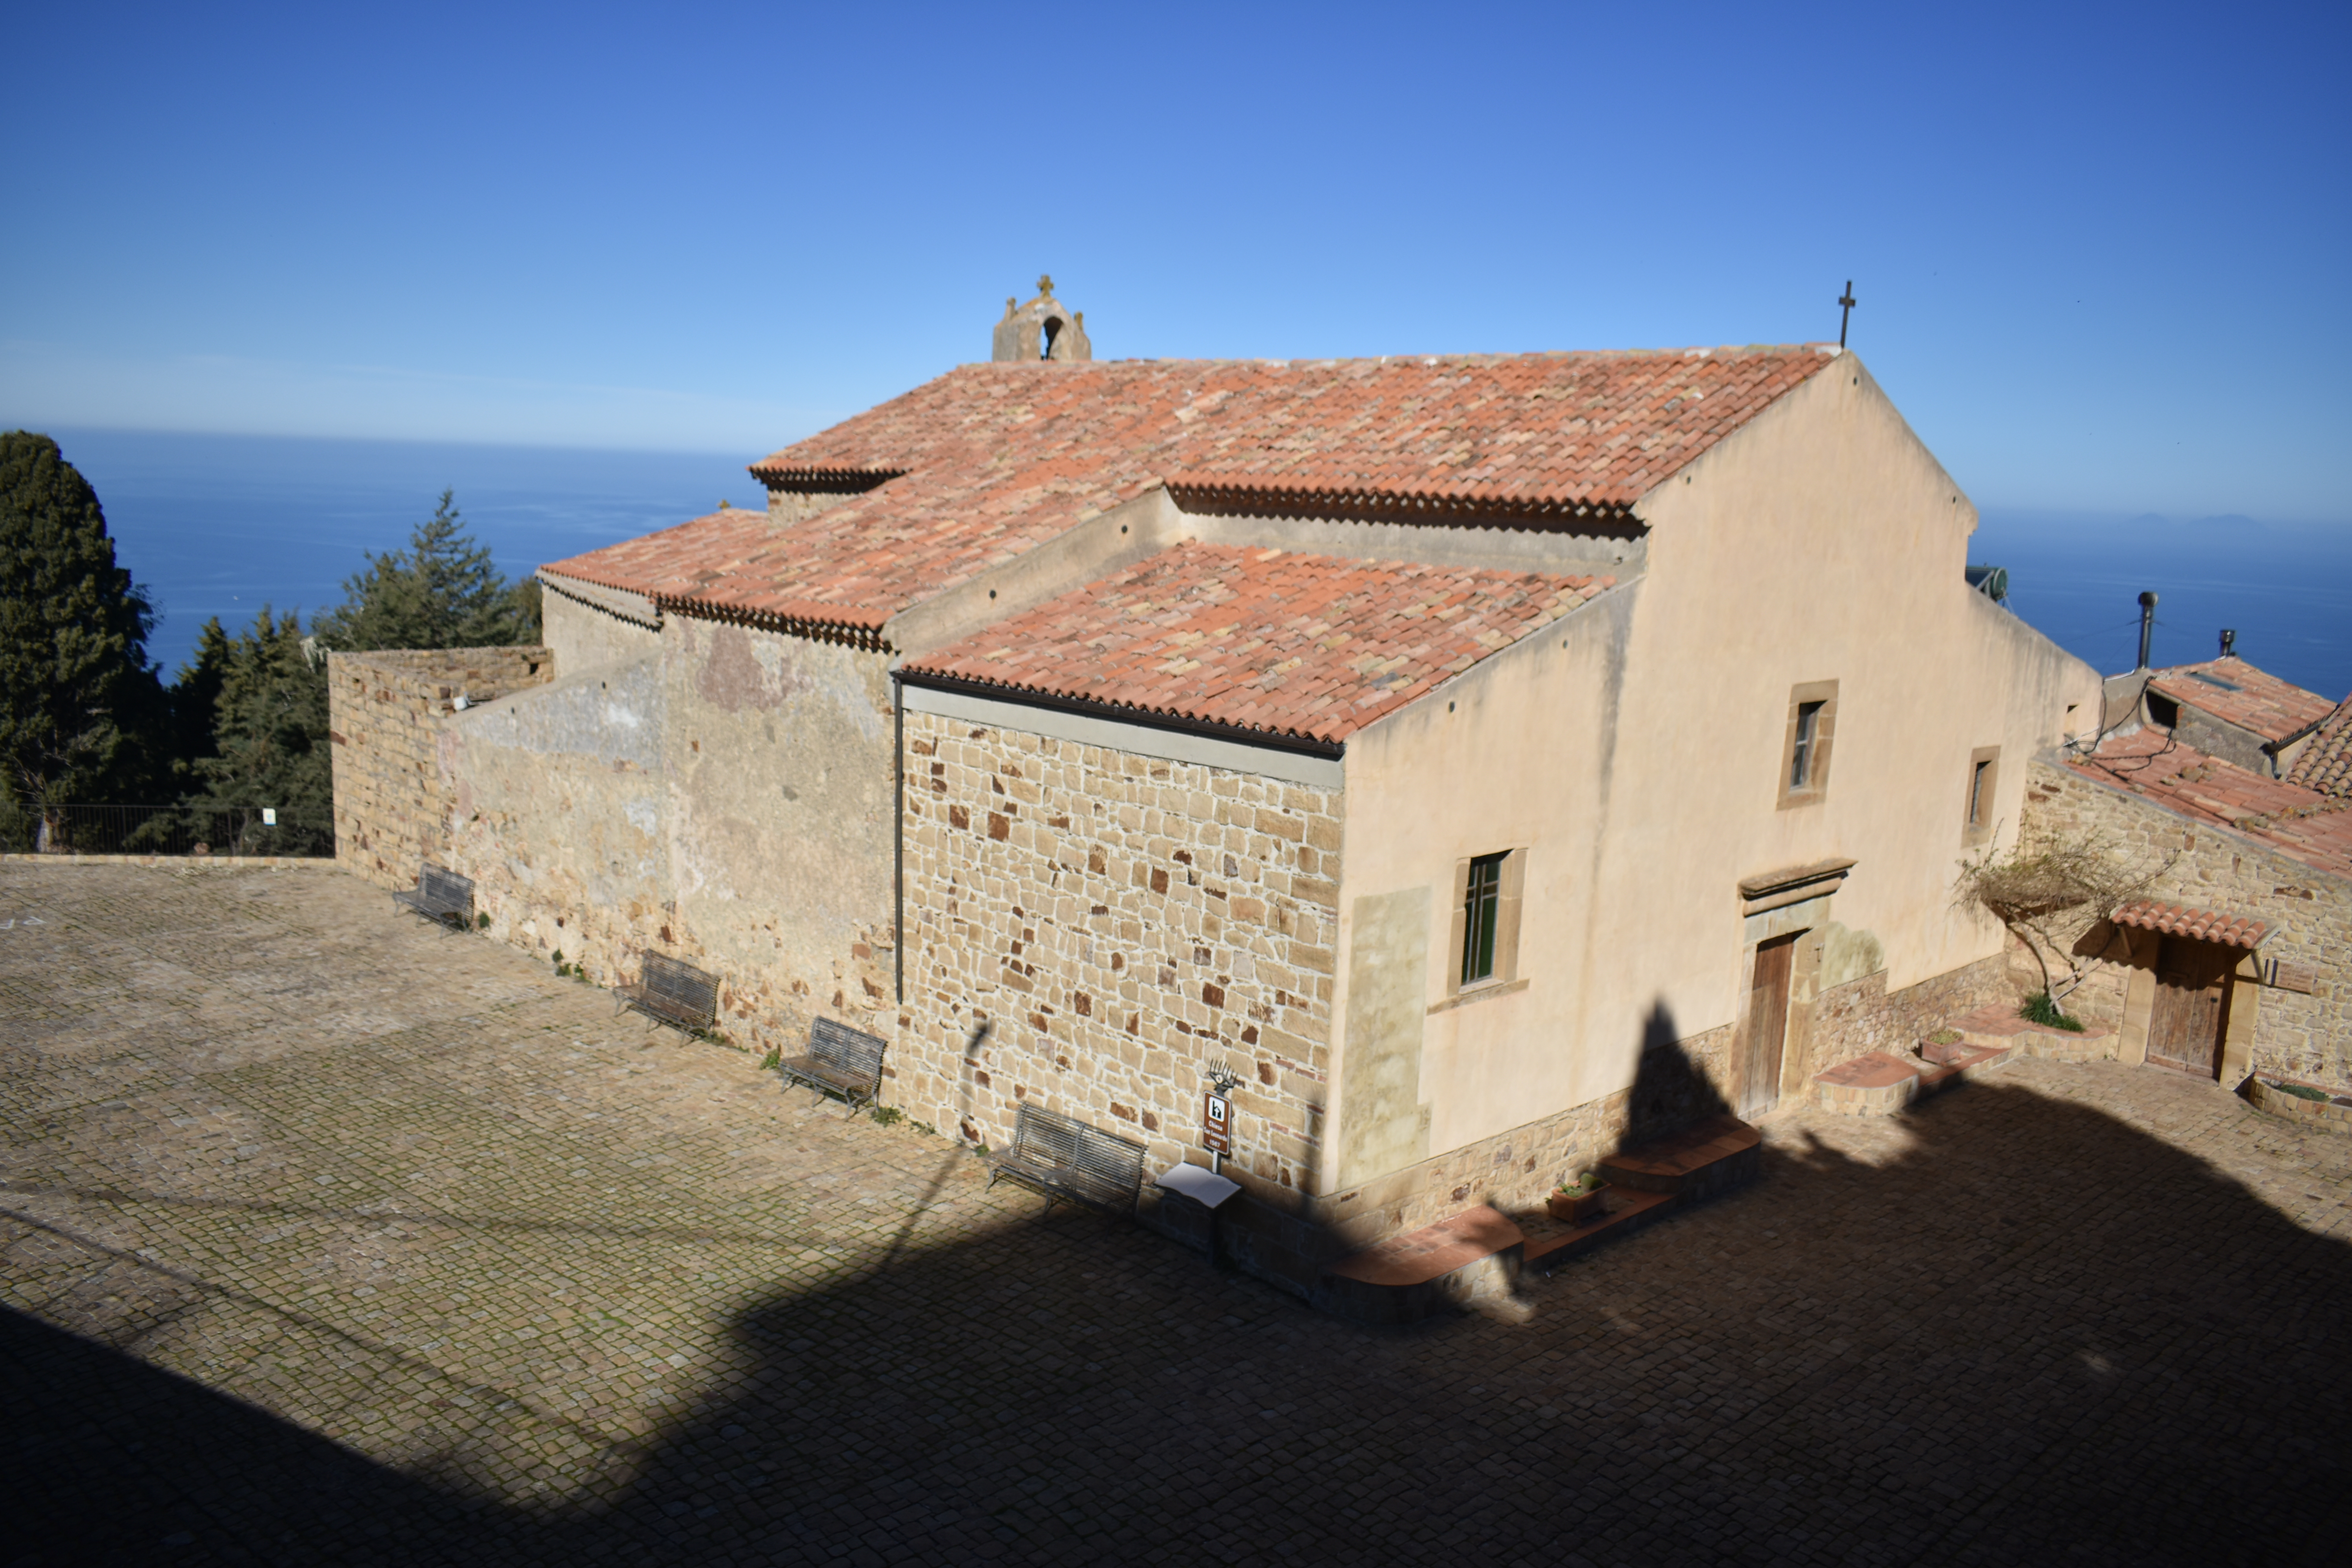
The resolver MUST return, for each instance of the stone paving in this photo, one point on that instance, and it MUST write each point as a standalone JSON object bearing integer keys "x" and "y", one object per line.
{"x": 331, "y": 1238}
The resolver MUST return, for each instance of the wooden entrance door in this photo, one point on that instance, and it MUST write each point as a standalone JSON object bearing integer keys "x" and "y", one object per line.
{"x": 2192, "y": 984}
{"x": 1768, "y": 1026}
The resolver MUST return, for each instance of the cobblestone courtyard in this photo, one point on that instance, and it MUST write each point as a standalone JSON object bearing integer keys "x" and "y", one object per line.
{"x": 329, "y": 1239}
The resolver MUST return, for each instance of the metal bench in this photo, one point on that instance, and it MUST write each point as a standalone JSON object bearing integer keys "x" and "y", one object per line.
{"x": 674, "y": 991}
{"x": 840, "y": 1060}
{"x": 440, "y": 895}
{"x": 1067, "y": 1160}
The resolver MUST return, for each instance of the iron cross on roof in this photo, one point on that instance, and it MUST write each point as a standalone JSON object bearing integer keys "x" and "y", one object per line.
{"x": 1846, "y": 314}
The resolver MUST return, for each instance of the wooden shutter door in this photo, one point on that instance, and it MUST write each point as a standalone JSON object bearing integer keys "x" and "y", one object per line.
{"x": 2193, "y": 980}
{"x": 1768, "y": 1026}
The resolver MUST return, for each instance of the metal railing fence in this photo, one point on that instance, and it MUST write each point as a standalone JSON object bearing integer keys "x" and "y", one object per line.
{"x": 194, "y": 830}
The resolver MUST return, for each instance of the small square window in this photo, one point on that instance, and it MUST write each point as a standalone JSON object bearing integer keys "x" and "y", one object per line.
{"x": 1811, "y": 739}
{"x": 1983, "y": 783}
{"x": 1486, "y": 925}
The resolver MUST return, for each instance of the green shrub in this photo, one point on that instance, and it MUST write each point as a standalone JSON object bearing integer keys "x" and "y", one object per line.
{"x": 482, "y": 921}
{"x": 774, "y": 1059}
{"x": 889, "y": 1115}
{"x": 2301, "y": 1092}
{"x": 2040, "y": 1009}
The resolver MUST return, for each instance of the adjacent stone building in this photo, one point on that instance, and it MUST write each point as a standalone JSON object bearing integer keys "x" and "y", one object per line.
{"x": 1487, "y": 759}
{"x": 2235, "y": 963}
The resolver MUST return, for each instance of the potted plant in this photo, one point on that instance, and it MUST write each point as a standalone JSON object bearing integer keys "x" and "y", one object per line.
{"x": 1577, "y": 1201}
{"x": 1941, "y": 1047}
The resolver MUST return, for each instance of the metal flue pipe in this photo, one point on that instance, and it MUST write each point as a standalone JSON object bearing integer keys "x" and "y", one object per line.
{"x": 2147, "y": 625}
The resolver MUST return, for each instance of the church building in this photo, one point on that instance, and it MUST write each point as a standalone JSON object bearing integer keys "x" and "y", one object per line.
{"x": 1487, "y": 759}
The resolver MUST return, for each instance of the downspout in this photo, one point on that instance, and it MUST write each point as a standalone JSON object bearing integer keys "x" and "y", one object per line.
{"x": 898, "y": 831}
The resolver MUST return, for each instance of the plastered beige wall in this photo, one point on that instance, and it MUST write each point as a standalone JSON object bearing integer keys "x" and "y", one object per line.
{"x": 1634, "y": 752}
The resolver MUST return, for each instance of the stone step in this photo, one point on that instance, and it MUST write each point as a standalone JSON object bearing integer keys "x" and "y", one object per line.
{"x": 1477, "y": 1254}
{"x": 1881, "y": 1083}
{"x": 1622, "y": 1211}
{"x": 1999, "y": 1027}
{"x": 1717, "y": 1154}
{"x": 1462, "y": 1258}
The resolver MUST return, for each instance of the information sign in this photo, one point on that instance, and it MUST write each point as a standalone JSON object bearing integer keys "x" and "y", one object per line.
{"x": 1216, "y": 1123}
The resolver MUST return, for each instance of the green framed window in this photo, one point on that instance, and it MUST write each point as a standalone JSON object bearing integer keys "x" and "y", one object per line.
{"x": 1481, "y": 907}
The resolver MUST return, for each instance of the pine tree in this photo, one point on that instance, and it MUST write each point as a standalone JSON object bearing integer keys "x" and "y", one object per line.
{"x": 194, "y": 700}
{"x": 78, "y": 698}
{"x": 441, "y": 592}
{"x": 269, "y": 745}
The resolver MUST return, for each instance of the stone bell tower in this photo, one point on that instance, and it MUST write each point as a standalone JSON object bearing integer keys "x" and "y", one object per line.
{"x": 1040, "y": 329}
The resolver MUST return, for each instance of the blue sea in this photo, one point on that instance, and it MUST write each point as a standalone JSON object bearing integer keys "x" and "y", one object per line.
{"x": 220, "y": 525}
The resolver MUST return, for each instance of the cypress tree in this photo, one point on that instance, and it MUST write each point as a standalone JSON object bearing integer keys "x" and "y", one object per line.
{"x": 441, "y": 592}
{"x": 77, "y": 695}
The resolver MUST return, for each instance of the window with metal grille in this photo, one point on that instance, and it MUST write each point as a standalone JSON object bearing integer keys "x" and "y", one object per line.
{"x": 1481, "y": 902}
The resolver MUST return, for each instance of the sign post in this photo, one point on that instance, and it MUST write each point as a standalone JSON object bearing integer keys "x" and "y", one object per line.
{"x": 1217, "y": 1116}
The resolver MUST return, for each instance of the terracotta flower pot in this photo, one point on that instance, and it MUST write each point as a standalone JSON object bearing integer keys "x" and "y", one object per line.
{"x": 1575, "y": 1208}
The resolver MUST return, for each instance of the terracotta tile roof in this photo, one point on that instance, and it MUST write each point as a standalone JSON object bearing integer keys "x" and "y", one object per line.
{"x": 1308, "y": 648}
{"x": 2235, "y": 692}
{"x": 2325, "y": 765}
{"x": 2302, "y": 823}
{"x": 993, "y": 459}
{"x": 2177, "y": 920}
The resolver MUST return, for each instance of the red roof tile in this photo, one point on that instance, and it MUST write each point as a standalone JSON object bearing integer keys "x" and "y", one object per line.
{"x": 2325, "y": 765}
{"x": 2303, "y": 824}
{"x": 993, "y": 459}
{"x": 1307, "y": 648}
{"x": 2177, "y": 919}
{"x": 2235, "y": 692}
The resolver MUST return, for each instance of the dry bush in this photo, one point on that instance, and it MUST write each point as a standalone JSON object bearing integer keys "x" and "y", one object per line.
{"x": 2049, "y": 889}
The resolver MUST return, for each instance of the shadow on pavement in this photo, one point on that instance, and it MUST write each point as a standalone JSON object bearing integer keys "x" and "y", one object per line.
{"x": 2034, "y": 1335}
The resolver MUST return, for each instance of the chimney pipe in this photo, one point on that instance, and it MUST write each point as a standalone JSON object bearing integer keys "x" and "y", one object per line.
{"x": 2147, "y": 625}
{"x": 2229, "y": 642}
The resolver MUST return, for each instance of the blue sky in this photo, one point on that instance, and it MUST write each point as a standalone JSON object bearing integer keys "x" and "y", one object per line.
{"x": 2101, "y": 251}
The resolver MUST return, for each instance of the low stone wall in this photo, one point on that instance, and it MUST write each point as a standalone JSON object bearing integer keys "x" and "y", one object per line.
{"x": 2325, "y": 1115}
{"x": 181, "y": 862}
{"x": 2297, "y": 1034}
{"x": 1862, "y": 1015}
{"x": 384, "y": 712}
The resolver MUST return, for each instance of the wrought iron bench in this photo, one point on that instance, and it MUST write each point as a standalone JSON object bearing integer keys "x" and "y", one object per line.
{"x": 441, "y": 896}
{"x": 840, "y": 1060}
{"x": 674, "y": 991}
{"x": 1067, "y": 1160}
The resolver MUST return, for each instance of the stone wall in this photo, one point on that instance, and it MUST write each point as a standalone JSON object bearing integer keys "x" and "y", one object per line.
{"x": 725, "y": 799}
{"x": 586, "y": 626}
{"x": 385, "y": 715}
{"x": 1862, "y": 1015}
{"x": 2303, "y": 1035}
{"x": 1092, "y": 930}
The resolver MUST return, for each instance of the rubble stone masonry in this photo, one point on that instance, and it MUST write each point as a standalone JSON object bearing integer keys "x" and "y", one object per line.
{"x": 1093, "y": 930}
{"x": 385, "y": 719}
{"x": 2301, "y": 1035}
